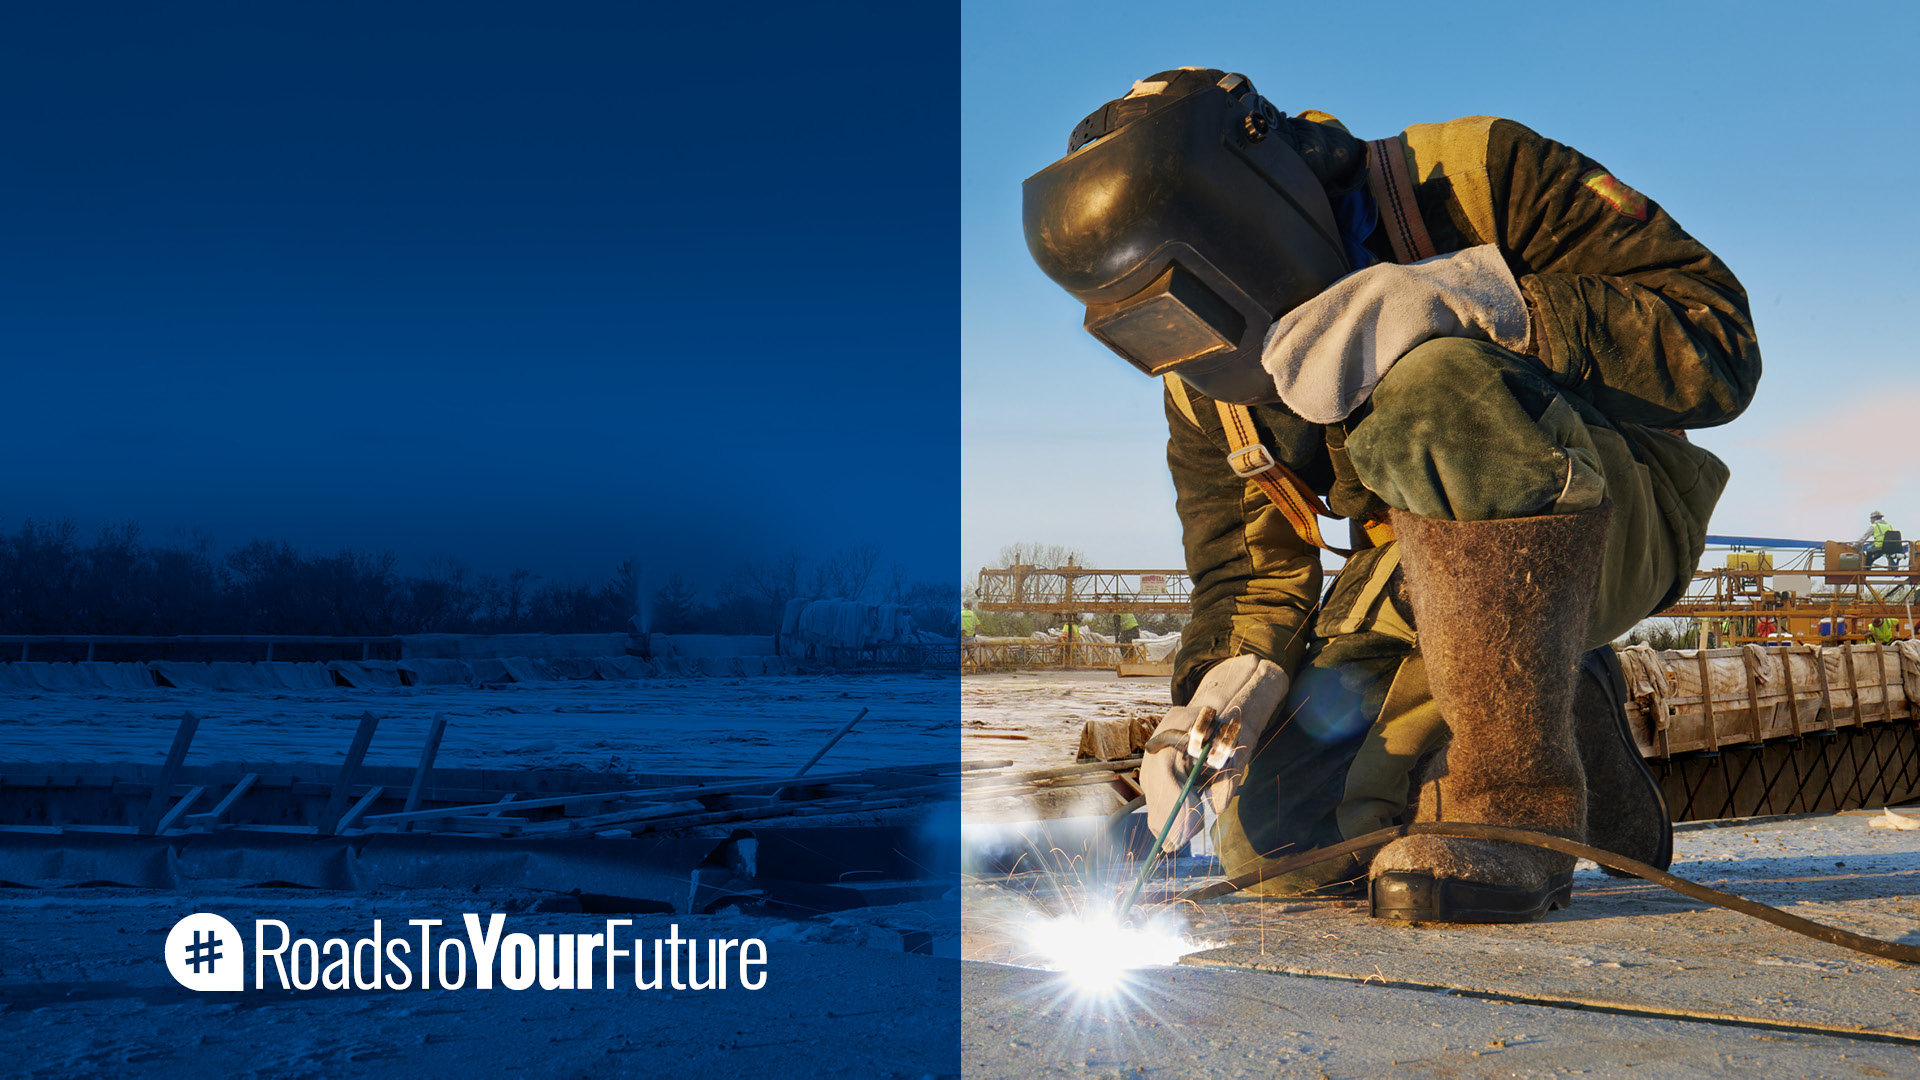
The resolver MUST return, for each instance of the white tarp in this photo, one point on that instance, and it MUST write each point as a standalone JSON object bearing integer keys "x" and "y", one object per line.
{"x": 842, "y": 624}
{"x": 1158, "y": 647}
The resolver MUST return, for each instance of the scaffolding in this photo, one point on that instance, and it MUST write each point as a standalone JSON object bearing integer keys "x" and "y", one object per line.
{"x": 1751, "y": 600}
{"x": 1072, "y": 591}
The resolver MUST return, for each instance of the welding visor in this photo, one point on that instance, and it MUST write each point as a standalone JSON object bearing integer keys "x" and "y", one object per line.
{"x": 1186, "y": 224}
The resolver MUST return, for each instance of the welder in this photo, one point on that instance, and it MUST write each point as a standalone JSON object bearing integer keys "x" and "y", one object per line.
{"x": 1482, "y": 350}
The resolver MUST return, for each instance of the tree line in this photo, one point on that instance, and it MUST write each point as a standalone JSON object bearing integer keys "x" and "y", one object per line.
{"x": 52, "y": 581}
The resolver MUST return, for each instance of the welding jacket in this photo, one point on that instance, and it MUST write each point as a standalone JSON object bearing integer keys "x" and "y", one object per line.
{"x": 1629, "y": 314}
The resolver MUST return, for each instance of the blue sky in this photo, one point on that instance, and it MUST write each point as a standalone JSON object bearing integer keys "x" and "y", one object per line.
{"x": 1780, "y": 135}
{"x": 537, "y": 286}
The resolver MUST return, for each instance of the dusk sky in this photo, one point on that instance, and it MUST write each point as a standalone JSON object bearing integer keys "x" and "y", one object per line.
{"x": 523, "y": 286}
{"x": 1778, "y": 134}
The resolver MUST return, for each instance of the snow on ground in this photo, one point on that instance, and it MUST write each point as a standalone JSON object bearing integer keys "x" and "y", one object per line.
{"x": 763, "y": 724}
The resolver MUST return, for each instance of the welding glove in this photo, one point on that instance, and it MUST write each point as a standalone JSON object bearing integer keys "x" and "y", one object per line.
{"x": 1236, "y": 702}
{"x": 1326, "y": 355}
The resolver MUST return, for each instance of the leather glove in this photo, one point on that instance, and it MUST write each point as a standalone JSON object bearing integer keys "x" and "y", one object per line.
{"x": 1236, "y": 702}
{"x": 1326, "y": 355}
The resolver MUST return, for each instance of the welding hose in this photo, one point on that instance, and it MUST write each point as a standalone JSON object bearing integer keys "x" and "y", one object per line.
{"x": 1886, "y": 950}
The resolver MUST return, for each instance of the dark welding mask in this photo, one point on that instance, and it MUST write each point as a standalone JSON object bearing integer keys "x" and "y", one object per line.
{"x": 1186, "y": 224}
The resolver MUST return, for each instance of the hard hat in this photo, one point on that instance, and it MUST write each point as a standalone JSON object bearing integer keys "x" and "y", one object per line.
{"x": 1876, "y": 516}
{"x": 1186, "y": 221}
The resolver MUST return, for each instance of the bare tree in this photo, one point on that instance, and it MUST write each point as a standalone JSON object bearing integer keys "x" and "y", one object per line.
{"x": 1031, "y": 553}
{"x": 846, "y": 573}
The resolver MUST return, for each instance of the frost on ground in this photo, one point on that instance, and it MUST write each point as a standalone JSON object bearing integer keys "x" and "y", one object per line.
{"x": 680, "y": 726}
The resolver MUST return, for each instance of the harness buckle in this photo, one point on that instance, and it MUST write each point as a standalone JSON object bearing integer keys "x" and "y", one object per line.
{"x": 1260, "y": 458}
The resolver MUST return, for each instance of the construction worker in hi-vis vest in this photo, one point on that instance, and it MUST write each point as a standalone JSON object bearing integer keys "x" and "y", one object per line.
{"x": 1479, "y": 347}
{"x": 1873, "y": 542}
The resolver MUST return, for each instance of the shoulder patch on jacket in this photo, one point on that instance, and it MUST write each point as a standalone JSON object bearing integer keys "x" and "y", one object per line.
{"x": 1621, "y": 197}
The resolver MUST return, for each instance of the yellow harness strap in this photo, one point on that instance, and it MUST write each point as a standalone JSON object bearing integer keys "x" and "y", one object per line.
{"x": 1250, "y": 459}
{"x": 1392, "y": 188}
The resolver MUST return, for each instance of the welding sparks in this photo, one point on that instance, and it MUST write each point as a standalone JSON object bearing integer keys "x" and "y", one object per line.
{"x": 1095, "y": 951}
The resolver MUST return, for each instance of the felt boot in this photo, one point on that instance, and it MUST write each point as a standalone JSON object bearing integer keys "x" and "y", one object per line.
{"x": 1626, "y": 813}
{"x": 1501, "y": 610}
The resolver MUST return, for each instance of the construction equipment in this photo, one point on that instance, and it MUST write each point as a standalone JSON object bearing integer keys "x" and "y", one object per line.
{"x": 1072, "y": 591}
{"x": 1771, "y": 592}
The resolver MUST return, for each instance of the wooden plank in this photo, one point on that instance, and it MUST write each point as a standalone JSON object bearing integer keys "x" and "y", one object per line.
{"x": 1706, "y": 701}
{"x": 1886, "y": 695}
{"x": 1793, "y": 697}
{"x": 1826, "y": 691}
{"x": 656, "y": 794}
{"x": 427, "y": 753}
{"x": 353, "y": 816}
{"x": 163, "y": 787}
{"x": 1853, "y": 685}
{"x": 1753, "y": 695}
{"x": 485, "y": 824}
{"x": 1122, "y": 765}
{"x": 217, "y": 816}
{"x": 179, "y": 810}
{"x": 894, "y": 797}
{"x": 502, "y": 804}
{"x": 837, "y": 736}
{"x": 343, "y": 785}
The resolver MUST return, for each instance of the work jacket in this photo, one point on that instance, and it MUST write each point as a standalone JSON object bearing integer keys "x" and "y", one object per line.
{"x": 1627, "y": 312}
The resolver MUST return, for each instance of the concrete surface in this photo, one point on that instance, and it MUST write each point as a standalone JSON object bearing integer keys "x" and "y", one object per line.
{"x": 1181, "y": 1022}
{"x": 1631, "y": 979}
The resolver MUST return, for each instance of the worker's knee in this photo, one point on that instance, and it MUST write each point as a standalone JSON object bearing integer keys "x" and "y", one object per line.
{"x": 1454, "y": 434}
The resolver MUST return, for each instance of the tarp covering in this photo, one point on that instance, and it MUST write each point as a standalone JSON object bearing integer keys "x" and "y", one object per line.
{"x": 1758, "y": 693}
{"x": 547, "y": 646}
{"x": 573, "y": 667}
{"x": 421, "y": 672}
{"x": 186, "y": 676}
{"x": 703, "y": 646}
{"x": 622, "y": 667}
{"x": 366, "y": 674}
{"x": 1158, "y": 647}
{"x": 808, "y": 626}
{"x": 33, "y": 675}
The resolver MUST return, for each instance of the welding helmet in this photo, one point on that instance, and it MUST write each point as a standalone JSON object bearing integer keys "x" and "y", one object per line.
{"x": 1186, "y": 223}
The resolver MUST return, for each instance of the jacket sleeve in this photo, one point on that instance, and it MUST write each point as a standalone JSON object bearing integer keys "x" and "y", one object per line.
{"x": 1628, "y": 311}
{"x": 1255, "y": 582}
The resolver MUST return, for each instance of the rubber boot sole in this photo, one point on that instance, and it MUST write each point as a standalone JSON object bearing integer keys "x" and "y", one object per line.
{"x": 1418, "y": 896}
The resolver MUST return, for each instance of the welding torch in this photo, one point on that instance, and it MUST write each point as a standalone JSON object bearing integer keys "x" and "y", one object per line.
{"x": 1206, "y": 725}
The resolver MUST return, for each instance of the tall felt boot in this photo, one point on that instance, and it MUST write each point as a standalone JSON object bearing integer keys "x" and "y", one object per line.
{"x": 1626, "y": 813}
{"x": 1501, "y": 610}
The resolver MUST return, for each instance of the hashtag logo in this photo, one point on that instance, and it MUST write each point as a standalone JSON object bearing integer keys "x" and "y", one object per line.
{"x": 204, "y": 949}
{"x": 203, "y": 952}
